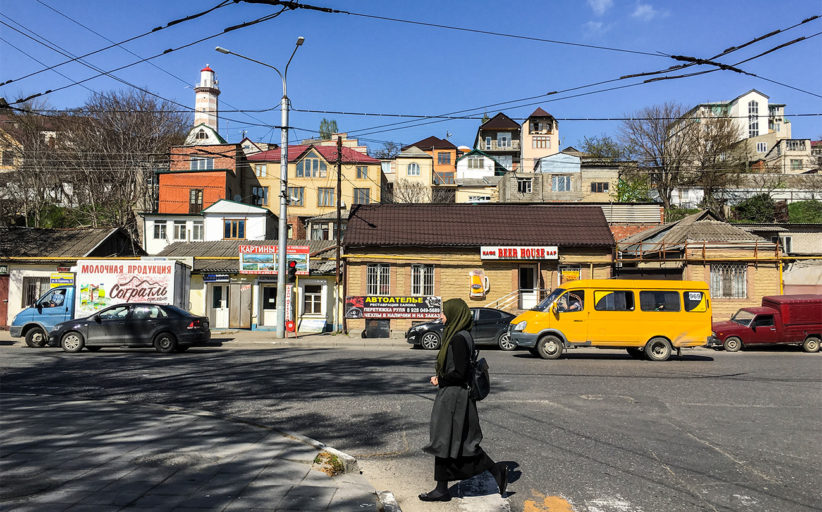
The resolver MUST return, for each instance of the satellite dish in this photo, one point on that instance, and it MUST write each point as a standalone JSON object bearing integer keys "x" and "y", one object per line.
{"x": 238, "y": 197}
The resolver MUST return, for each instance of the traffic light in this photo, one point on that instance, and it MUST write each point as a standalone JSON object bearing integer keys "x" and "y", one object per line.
{"x": 292, "y": 271}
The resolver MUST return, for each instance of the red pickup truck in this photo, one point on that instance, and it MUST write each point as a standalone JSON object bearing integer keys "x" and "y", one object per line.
{"x": 782, "y": 319}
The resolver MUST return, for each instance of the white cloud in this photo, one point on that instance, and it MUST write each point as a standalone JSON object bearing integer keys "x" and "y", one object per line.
{"x": 600, "y": 6}
{"x": 594, "y": 28}
{"x": 645, "y": 12}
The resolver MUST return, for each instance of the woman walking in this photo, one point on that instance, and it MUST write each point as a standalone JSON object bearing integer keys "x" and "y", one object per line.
{"x": 455, "y": 430}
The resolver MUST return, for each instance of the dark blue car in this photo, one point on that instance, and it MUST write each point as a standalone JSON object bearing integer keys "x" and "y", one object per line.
{"x": 490, "y": 328}
{"x": 164, "y": 327}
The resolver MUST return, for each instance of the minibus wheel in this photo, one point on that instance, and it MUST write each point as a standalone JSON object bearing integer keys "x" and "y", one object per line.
{"x": 549, "y": 347}
{"x": 658, "y": 349}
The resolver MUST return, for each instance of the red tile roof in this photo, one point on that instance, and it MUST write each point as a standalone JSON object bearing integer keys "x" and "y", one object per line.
{"x": 432, "y": 143}
{"x": 349, "y": 156}
{"x": 473, "y": 225}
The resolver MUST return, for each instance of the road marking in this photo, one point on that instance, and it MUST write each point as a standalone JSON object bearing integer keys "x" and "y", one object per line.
{"x": 544, "y": 503}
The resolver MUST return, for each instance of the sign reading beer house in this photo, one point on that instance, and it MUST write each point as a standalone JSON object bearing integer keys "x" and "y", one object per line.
{"x": 519, "y": 252}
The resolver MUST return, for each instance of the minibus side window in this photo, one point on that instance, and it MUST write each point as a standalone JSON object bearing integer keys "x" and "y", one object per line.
{"x": 614, "y": 300}
{"x": 659, "y": 301}
{"x": 571, "y": 301}
{"x": 696, "y": 302}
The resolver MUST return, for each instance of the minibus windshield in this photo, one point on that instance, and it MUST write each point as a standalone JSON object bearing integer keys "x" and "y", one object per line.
{"x": 547, "y": 301}
{"x": 743, "y": 317}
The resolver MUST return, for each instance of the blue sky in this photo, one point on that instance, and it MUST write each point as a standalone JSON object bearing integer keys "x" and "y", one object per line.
{"x": 359, "y": 64}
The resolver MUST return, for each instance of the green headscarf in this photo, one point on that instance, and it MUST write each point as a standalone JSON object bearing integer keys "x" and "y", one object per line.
{"x": 457, "y": 318}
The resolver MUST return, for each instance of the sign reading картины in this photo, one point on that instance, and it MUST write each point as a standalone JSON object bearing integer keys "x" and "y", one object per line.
{"x": 373, "y": 306}
{"x": 519, "y": 252}
{"x": 262, "y": 259}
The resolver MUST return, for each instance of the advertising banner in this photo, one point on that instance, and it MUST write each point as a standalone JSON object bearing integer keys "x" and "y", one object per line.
{"x": 262, "y": 259}
{"x": 519, "y": 252}
{"x": 105, "y": 283}
{"x": 372, "y": 306}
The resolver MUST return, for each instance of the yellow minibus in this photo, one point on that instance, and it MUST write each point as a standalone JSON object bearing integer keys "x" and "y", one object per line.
{"x": 648, "y": 318}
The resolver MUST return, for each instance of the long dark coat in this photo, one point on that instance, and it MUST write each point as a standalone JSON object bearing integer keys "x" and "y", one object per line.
{"x": 455, "y": 429}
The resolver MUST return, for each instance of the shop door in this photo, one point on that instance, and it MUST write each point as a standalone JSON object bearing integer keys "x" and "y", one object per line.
{"x": 218, "y": 308}
{"x": 4, "y": 300}
{"x": 528, "y": 292}
{"x": 269, "y": 294}
{"x": 239, "y": 314}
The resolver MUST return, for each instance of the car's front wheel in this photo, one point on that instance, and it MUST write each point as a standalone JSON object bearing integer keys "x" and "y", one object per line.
{"x": 36, "y": 338}
{"x": 72, "y": 341}
{"x": 430, "y": 341}
{"x": 732, "y": 344}
{"x": 505, "y": 342}
{"x": 165, "y": 343}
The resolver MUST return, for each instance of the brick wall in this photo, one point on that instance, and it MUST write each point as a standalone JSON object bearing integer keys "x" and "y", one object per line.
{"x": 226, "y": 156}
{"x": 621, "y": 231}
{"x": 451, "y": 274}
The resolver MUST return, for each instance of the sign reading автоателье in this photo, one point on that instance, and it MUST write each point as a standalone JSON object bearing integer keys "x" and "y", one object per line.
{"x": 379, "y": 306}
{"x": 519, "y": 252}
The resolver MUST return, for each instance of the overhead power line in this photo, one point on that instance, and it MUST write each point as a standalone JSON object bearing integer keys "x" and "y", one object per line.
{"x": 156, "y": 29}
{"x": 165, "y": 52}
{"x": 177, "y": 77}
{"x": 298, "y": 5}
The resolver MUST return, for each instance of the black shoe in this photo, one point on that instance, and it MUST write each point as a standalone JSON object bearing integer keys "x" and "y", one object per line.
{"x": 435, "y": 495}
{"x": 500, "y": 474}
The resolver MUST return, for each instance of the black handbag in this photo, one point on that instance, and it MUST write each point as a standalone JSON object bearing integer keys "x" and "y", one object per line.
{"x": 479, "y": 384}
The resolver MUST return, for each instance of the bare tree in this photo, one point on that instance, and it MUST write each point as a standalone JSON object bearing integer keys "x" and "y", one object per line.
{"x": 407, "y": 191}
{"x": 650, "y": 137}
{"x": 33, "y": 184}
{"x": 714, "y": 163}
{"x": 114, "y": 144}
{"x": 388, "y": 150}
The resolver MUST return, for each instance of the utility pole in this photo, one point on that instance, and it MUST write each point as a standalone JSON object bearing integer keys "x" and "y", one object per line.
{"x": 339, "y": 204}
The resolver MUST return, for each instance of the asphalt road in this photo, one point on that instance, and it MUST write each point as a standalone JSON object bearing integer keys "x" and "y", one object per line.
{"x": 596, "y": 431}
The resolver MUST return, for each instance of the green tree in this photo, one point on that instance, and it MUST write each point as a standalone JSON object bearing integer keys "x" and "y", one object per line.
{"x": 328, "y": 128}
{"x": 760, "y": 208}
{"x": 808, "y": 212}
{"x": 633, "y": 188}
{"x": 603, "y": 147}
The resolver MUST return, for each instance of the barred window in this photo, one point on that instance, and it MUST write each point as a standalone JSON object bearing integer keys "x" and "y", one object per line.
{"x": 729, "y": 280}
{"x": 378, "y": 280}
{"x": 422, "y": 279}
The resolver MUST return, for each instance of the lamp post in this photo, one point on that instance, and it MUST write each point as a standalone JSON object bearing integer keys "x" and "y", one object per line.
{"x": 283, "y": 224}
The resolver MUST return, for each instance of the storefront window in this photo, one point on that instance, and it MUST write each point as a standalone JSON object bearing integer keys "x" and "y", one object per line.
{"x": 312, "y": 299}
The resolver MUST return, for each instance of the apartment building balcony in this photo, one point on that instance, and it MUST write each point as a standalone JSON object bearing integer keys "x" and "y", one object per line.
{"x": 511, "y": 145}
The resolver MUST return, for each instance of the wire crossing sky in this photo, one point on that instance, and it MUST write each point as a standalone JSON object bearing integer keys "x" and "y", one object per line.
{"x": 453, "y": 61}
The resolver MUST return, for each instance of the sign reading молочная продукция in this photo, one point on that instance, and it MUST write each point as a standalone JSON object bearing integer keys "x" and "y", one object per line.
{"x": 386, "y": 307}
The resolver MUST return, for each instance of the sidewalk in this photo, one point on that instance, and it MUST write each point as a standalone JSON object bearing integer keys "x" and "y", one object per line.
{"x": 241, "y": 338}
{"x": 111, "y": 455}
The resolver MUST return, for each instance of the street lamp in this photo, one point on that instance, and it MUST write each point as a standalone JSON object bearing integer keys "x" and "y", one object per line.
{"x": 283, "y": 232}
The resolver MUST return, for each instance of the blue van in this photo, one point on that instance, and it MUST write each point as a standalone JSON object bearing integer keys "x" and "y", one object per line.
{"x": 35, "y": 322}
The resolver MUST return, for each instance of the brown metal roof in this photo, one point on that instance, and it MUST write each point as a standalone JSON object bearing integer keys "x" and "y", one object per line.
{"x": 432, "y": 143}
{"x": 473, "y": 225}
{"x": 540, "y": 113}
{"x": 500, "y": 122}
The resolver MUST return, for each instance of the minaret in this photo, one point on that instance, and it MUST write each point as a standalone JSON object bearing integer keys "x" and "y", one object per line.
{"x": 205, "y": 108}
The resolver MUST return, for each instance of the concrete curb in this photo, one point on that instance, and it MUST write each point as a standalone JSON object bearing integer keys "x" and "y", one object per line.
{"x": 385, "y": 499}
